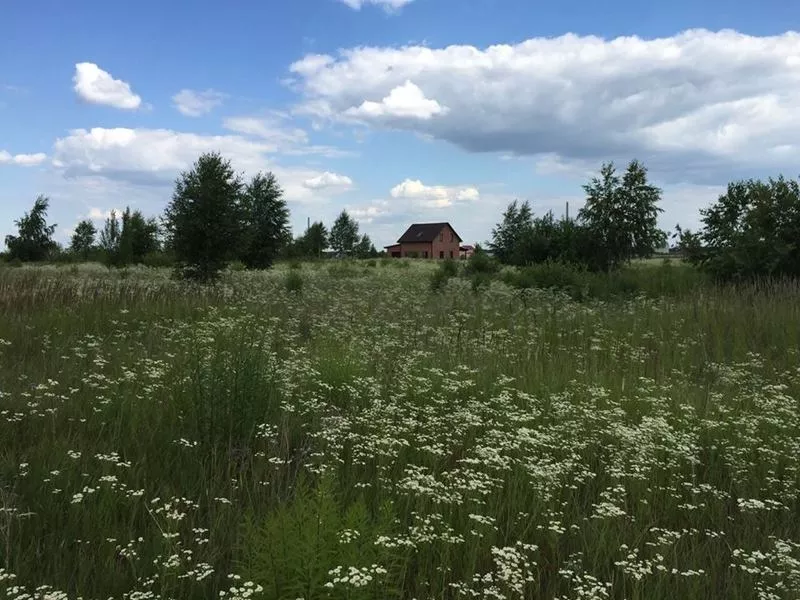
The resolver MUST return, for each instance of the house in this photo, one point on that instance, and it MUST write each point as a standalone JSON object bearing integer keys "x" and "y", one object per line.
{"x": 466, "y": 251}
{"x": 427, "y": 240}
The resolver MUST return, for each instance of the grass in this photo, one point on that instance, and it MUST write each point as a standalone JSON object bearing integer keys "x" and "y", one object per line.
{"x": 344, "y": 431}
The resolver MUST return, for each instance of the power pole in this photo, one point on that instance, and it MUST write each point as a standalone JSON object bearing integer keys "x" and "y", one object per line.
{"x": 568, "y": 211}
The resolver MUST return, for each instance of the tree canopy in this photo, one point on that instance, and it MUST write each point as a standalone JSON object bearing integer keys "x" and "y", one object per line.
{"x": 34, "y": 240}
{"x": 344, "y": 234}
{"x": 203, "y": 219}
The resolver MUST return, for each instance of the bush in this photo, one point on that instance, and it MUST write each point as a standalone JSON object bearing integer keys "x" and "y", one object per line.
{"x": 480, "y": 262}
{"x": 237, "y": 265}
{"x": 294, "y": 282}
{"x": 295, "y": 265}
{"x": 580, "y": 283}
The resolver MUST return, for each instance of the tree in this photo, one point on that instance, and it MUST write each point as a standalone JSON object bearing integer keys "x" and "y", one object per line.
{"x": 265, "y": 222}
{"x": 752, "y": 230}
{"x": 34, "y": 241}
{"x": 364, "y": 248}
{"x": 344, "y": 234}
{"x": 137, "y": 239}
{"x": 109, "y": 236}
{"x": 314, "y": 240}
{"x": 509, "y": 235}
{"x": 203, "y": 219}
{"x": 82, "y": 241}
{"x": 622, "y": 215}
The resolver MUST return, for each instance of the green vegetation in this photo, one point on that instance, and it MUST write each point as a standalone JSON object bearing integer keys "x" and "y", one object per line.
{"x": 339, "y": 431}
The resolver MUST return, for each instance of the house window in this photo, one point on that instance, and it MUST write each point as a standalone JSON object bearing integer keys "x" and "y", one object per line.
{"x": 441, "y": 236}
{"x": 425, "y": 254}
{"x": 451, "y": 254}
{"x": 441, "y": 253}
{"x": 452, "y": 237}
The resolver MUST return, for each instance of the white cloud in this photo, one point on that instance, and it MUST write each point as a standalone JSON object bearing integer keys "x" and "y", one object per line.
{"x": 436, "y": 196}
{"x": 192, "y": 103}
{"x": 22, "y": 160}
{"x": 155, "y": 157}
{"x": 96, "y": 86}
{"x": 406, "y": 101}
{"x": 699, "y": 106}
{"x": 266, "y": 128}
{"x": 371, "y": 212}
{"x": 285, "y": 139}
{"x": 328, "y": 180}
{"x": 388, "y": 5}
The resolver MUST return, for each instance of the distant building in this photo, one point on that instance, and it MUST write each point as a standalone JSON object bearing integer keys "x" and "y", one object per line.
{"x": 427, "y": 240}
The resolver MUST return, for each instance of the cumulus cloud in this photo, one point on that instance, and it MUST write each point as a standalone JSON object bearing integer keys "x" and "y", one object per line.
{"x": 328, "y": 180}
{"x": 192, "y": 103}
{"x": 94, "y": 85}
{"x": 156, "y": 156}
{"x": 406, "y": 101}
{"x": 22, "y": 160}
{"x": 388, "y": 5}
{"x": 696, "y": 106}
{"x": 435, "y": 196}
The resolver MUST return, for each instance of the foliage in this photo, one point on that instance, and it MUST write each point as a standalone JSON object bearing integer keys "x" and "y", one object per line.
{"x": 364, "y": 248}
{"x": 344, "y": 234}
{"x": 753, "y": 230}
{"x": 265, "y": 222}
{"x": 83, "y": 239}
{"x": 622, "y": 216}
{"x": 110, "y": 234}
{"x": 445, "y": 270}
{"x": 313, "y": 242}
{"x": 203, "y": 219}
{"x": 664, "y": 280}
{"x": 294, "y": 281}
{"x": 509, "y": 236}
{"x": 129, "y": 240}
{"x": 161, "y": 439}
{"x": 34, "y": 239}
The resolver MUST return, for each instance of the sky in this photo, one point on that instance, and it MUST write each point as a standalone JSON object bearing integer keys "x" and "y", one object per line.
{"x": 398, "y": 111}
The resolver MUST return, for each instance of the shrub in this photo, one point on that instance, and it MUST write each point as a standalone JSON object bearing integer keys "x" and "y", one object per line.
{"x": 295, "y": 265}
{"x": 237, "y": 265}
{"x": 294, "y": 282}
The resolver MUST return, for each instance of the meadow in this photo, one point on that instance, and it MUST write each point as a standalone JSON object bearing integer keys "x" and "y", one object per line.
{"x": 340, "y": 430}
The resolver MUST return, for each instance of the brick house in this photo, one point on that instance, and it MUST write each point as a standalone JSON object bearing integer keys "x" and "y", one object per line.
{"x": 427, "y": 240}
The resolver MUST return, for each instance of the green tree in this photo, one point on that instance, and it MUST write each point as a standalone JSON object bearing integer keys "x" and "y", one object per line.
{"x": 109, "y": 235}
{"x": 752, "y": 230}
{"x": 622, "y": 215}
{"x": 82, "y": 241}
{"x": 314, "y": 240}
{"x": 203, "y": 219}
{"x": 364, "y": 247}
{"x": 265, "y": 222}
{"x": 138, "y": 238}
{"x": 34, "y": 240}
{"x": 511, "y": 234}
{"x": 344, "y": 234}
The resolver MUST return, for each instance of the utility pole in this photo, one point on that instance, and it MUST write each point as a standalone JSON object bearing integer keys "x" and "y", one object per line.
{"x": 568, "y": 211}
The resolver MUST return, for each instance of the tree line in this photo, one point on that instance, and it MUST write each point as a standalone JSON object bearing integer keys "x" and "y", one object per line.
{"x": 752, "y": 230}
{"x": 213, "y": 218}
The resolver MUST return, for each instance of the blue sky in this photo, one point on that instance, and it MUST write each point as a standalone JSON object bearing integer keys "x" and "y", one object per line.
{"x": 397, "y": 110}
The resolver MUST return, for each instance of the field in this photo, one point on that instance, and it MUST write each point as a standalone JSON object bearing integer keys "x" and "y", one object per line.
{"x": 340, "y": 431}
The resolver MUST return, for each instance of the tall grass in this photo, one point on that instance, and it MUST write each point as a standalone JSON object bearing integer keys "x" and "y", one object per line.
{"x": 356, "y": 435}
